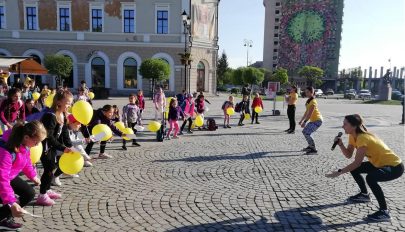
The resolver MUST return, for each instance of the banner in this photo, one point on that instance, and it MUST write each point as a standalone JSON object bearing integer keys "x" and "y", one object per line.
{"x": 272, "y": 89}
{"x": 203, "y": 22}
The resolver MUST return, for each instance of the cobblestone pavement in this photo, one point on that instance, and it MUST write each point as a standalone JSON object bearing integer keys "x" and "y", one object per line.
{"x": 250, "y": 178}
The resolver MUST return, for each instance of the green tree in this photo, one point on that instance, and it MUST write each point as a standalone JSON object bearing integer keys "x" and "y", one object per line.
{"x": 155, "y": 69}
{"x": 237, "y": 76}
{"x": 280, "y": 75}
{"x": 227, "y": 77}
{"x": 222, "y": 68}
{"x": 313, "y": 74}
{"x": 58, "y": 65}
{"x": 252, "y": 76}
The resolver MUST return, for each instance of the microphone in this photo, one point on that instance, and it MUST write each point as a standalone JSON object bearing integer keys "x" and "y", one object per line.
{"x": 335, "y": 143}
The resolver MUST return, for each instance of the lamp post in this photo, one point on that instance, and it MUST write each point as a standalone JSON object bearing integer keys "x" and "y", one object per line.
{"x": 248, "y": 44}
{"x": 186, "y": 24}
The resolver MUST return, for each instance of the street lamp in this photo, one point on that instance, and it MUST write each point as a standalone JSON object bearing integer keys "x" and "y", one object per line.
{"x": 186, "y": 23}
{"x": 248, "y": 44}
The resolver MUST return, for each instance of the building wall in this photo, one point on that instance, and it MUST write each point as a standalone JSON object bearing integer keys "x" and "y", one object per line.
{"x": 111, "y": 44}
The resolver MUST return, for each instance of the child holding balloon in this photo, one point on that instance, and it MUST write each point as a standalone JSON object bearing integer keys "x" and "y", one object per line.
{"x": 141, "y": 105}
{"x": 57, "y": 140}
{"x": 227, "y": 107}
{"x": 257, "y": 102}
{"x": 188, "y": 110}
{"x": 130, "y": 117}
{"x": 15, "y": 158}
{"x": 101, "y": 116}
{"x": 175, "y": 113}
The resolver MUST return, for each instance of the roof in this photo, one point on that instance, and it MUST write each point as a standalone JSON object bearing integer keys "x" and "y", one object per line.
{"x": 22, "y": 65}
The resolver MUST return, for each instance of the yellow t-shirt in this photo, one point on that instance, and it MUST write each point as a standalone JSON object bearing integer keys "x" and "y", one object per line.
{"x": 377, "y": 152}
{"x": 293, "y": 99}
{"x": 316, "y": 115}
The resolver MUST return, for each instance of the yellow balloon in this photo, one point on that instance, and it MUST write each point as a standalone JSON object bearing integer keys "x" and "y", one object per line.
{"x": 168, "y": 100}
{"x": 120, "y": 126}
{"x": 70, "y": 110}
{"x": 35, "y": 96}
{"x": 230, "y": 111}
{"x": 154, "y": 126}
{"x": 91, "y": 95}
{"x": 35, "y": 153}
{"x": 193, "y": 125}
{"x": 49, "y": 100}
{"x": 199, "y": 120}
{"x": 247, "y": 116}
{"x": 1, "y": 131}
{"x": 82, "y": 111}
{"x": 102, "y": 128}
{"x": 127, "y": 131}
{"x": 166, "y": 114}
{"x": 71, "y": 163}
{"x": 258, "y": 109}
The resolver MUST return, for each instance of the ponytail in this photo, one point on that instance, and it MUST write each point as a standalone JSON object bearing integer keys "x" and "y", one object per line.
{"x": 34, "y": 129}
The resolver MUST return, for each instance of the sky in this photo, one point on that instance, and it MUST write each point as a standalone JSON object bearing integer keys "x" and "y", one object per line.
{"x": 373, "y": 32}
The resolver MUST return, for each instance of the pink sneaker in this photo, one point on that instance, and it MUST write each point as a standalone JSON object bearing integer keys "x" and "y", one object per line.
{"x": 53, "y": 195}
{"x": 44, "y": 200}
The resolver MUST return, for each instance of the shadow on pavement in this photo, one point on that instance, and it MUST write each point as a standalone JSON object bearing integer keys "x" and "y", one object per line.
{"x": 288, "y": 220}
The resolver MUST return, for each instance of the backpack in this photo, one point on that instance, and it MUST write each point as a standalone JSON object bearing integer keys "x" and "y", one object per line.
{"x": 238, "y": 107}
{"x": 12, "y": 153}
{"x": 212, "y": 126}
{"x": 160, "y": 134}
{"x": 223, "y": 105}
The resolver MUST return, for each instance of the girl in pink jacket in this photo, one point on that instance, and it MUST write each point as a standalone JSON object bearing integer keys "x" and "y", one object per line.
{"x": 188, "y": 108}
{"x": 15, "y": 158}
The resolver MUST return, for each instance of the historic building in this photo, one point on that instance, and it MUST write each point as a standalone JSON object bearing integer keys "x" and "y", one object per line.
{"x": 303, "y": 32}
{"x": 107, "y": 40}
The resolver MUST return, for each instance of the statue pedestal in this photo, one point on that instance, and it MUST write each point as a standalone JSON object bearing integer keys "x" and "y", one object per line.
{"x": 385, "y": 92}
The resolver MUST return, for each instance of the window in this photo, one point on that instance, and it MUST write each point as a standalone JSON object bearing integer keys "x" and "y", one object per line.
{"x": 129, "y": 21}
{"x": 276, "y": 27}
{"x": 162, "y": 22}
{"x": 130, "y": 73}
{"x": 276, "y": 35}
{"x": 2, "y": 18}
{"x": 96, "y": 20}
{"x": 275, "y": 42}
{"x": 278, "y": 3}
{"x": 200, "y": 77}
{"x": 64, "y": 21}
{"x": 277, "y": 20}
{"x": 274, "y": 57}
{"x": 274, "y": 65}
{"x": 31, "y": 14}
{"x": 98, "y": 72}
{"x": 277, "y": 12}
{"x": 275, "y": 50}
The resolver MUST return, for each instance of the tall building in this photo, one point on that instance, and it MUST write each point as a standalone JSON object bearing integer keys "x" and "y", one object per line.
{"x": 303, "y": 32}
{"x": 107, "y": 40}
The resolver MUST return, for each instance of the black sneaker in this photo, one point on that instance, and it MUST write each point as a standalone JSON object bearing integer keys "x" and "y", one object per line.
{"x": 360, "y": 198}
{"x": 379, "y": 216}
{"x": 228, "y": 126}
{"x": 189, "y": 131}
{"x": 288, "y": 130}
{"x": 257, "y": 122}
{"x": 124, "y": 148}
{"x": 306, "y": 149}
{"x": 291, "y": 132}
{"x": 9, "y": 224}
{"x": 136, "y": 144}
{"x": 225, "y": 126}
{"x": 181, "y": 133}
{"x": 239, "y": 124}
{"x": 311, "y": 151}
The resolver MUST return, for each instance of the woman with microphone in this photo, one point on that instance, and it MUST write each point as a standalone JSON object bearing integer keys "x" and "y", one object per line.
{"x": 382, "y": 165}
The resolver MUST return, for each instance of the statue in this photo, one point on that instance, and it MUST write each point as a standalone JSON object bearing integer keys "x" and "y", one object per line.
{"x": 387, "y": 77}
{"x": 385, "y": 89}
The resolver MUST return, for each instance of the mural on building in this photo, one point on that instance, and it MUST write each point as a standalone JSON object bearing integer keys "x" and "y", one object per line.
{"x": 308, "y": 30}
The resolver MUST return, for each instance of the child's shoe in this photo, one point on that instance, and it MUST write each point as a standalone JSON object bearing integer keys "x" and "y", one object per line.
{"x": 44, "y": 200}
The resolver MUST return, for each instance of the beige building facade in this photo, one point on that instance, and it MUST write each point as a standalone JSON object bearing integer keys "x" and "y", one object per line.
{"x": 107, "y": 40}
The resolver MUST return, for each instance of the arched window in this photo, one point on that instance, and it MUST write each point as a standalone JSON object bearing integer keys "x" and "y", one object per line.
{"x": 68, "y": 81}
{"x": 200, "y": 77}
{"x": 38, "y": 78}
{"x": 130, "y": 73}
{"x": 165, "y": 83}
{"x": 98, "y": 72}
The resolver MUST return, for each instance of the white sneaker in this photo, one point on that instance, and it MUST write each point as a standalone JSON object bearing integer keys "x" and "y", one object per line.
{"x": 56, "y": 181}
{"x": 168, "y": 137}
{"x": 88, "y": 163}
{"x": 104, "y": 156}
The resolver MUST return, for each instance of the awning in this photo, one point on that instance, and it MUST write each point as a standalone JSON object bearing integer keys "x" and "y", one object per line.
{"x": 22, "y": 66}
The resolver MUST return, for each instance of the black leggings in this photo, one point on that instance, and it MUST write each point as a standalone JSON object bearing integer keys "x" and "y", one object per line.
{"x": 89, "y": 146}
{"x": 190, "y": 122}
{"x": 291, "y": 116}
{"x": 242, "y": 117}
{"x": 49, "y": 165}
{"x": 25, "y": 192}
{"x": 132, "y": 126}
{"x": 255, "y": 116}
{"x": 375, "y": 175}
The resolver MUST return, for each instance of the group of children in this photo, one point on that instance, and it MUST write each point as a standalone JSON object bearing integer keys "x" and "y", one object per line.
{"x": 242, "y": 108}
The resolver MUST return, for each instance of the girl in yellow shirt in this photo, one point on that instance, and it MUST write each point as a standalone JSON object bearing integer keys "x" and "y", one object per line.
{"x": 383, "y": 164}
{"x": 314, "y": 117}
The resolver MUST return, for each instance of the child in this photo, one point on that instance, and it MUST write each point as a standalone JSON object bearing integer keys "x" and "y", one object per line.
{"x": 188, "y": 112}
{"x": 81, "y": 95}
{"x": 175, "y": 113}
{"x": 244, "y": 108}
{"x": 130, "y": 117}
{"x": 257, "y": 101}
{"x": 26, "y": 93}
{"x": 104, "y": 116}
{"x": 315, "y": 120}
{"x": 199, "y": 105}
{"x": 159, "y": 100}
{"x": 12, "y": 109}
{"x": 116, "y": 115}
{"x": 15, "y": 158}
{"x": 77, "y": 144}
{"x": 225, "y": 106}
{"x": 40, "y": 103}
{"x": 57, "y": 140}
{"x": 141, "y": 105}
{"x": 30, "y": 107}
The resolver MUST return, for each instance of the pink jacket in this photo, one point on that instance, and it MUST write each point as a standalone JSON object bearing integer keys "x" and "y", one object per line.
{"x": 189, "y": 108}
{"x": 9, "y": 170}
